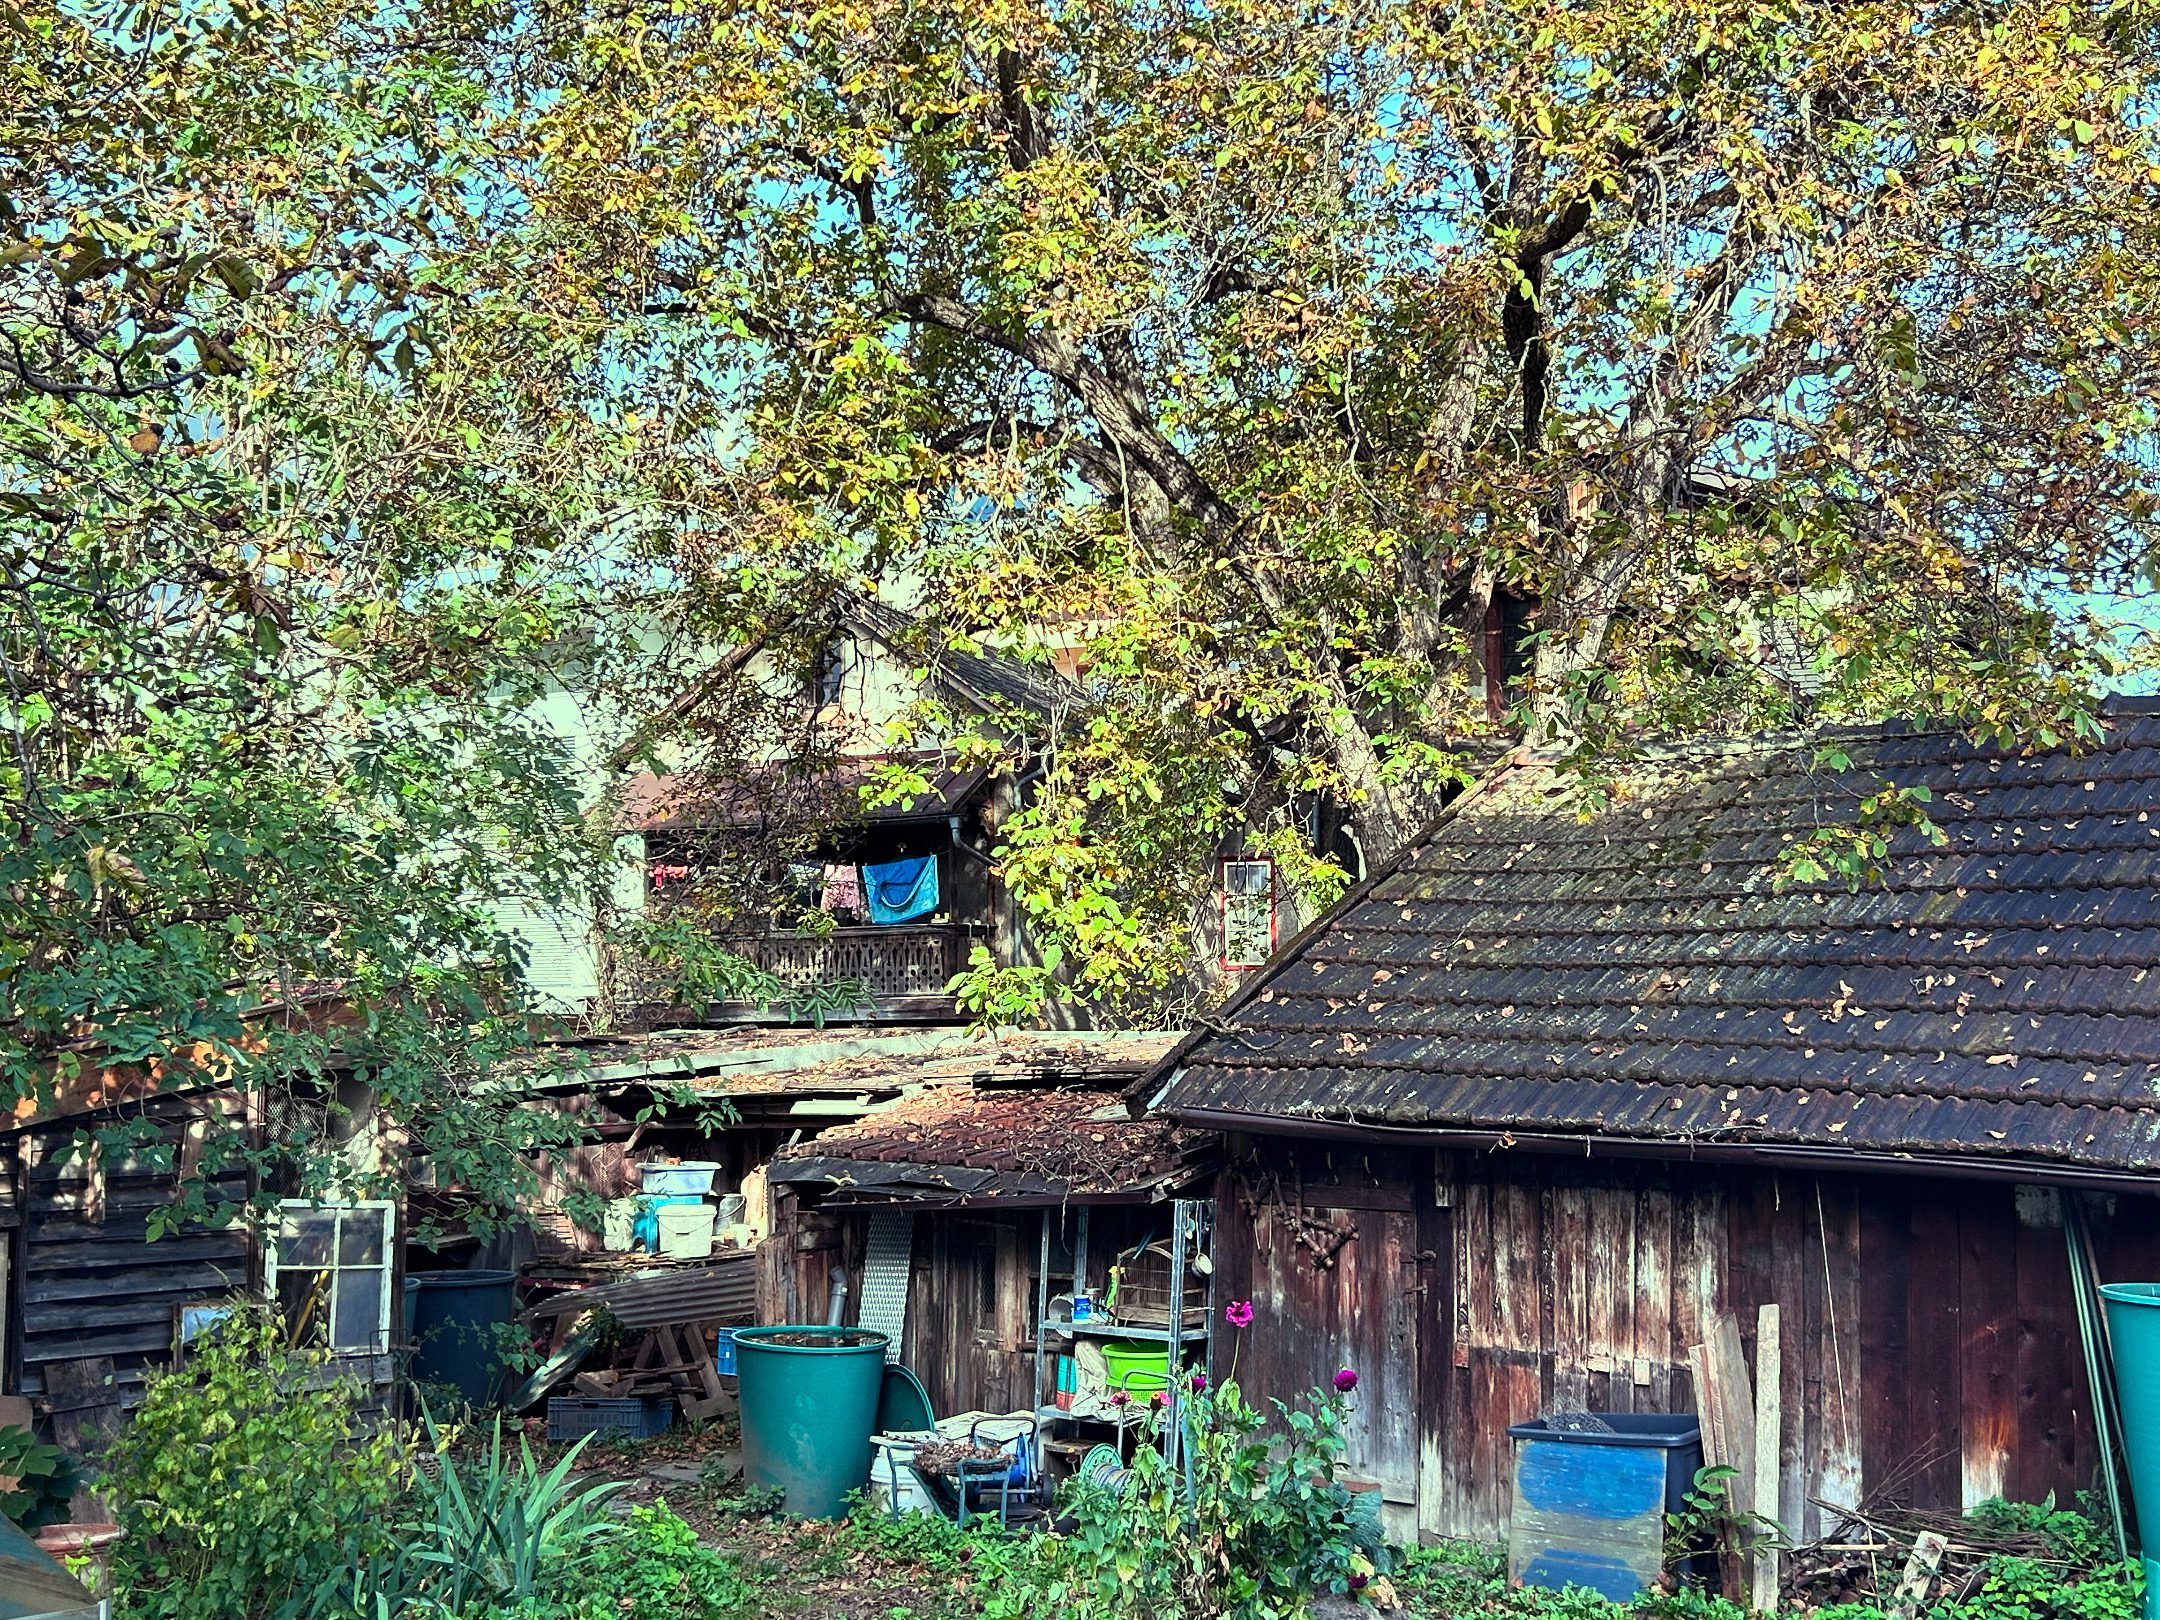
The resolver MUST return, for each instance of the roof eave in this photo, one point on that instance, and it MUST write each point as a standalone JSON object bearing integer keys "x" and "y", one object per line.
{"x": 1696, "y": 1150}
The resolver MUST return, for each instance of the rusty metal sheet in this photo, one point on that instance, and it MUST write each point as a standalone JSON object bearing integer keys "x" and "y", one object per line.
{"x": 723, "y": 1292}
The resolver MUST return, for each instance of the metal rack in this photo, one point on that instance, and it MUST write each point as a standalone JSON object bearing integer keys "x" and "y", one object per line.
{"x": 1191, "y": 1238}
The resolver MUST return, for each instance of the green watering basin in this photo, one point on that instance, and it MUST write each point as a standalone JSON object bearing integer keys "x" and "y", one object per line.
{"x": 809, "y": 1406}
{"x": 2133, "y": 1324}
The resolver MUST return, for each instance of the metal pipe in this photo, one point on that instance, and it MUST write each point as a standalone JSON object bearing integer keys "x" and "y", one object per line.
{"x": 836, "y": 1301}
{"x": 2084, "y": 1294}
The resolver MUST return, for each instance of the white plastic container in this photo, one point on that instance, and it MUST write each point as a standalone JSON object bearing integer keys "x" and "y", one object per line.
{"x": 686, "y": 1230}
{"x": 618, "y": 1222}
{"x": 894, "y": 1485}
{"x": 693, "y": 1177}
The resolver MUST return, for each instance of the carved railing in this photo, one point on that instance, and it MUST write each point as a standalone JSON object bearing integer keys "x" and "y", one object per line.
{"x": 904, "y": 959}
{"x": 902, "y": 962}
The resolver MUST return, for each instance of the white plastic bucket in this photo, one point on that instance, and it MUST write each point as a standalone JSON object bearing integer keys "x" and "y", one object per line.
{"x": 686, "y": 1230}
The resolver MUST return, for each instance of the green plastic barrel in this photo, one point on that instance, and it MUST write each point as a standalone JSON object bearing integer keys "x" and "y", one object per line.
{"x": 809, "y": 1406}
{"x": 454, "y": 1324}
{"x": 2133, "y": 1323}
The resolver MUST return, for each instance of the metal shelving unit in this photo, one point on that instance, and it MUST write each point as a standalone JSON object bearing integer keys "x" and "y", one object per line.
{"x": 1191, "y": 1237}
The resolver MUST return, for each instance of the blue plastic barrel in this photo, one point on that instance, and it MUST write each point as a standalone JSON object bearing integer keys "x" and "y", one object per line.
{"x": 1590, "y": 1507}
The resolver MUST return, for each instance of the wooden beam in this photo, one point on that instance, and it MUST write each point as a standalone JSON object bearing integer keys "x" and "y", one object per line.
{"x": 1769, "y": 1432}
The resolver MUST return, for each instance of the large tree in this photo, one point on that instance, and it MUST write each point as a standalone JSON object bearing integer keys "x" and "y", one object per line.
{"x": 293, "y": 505}
{"x": 1793, "y": 360}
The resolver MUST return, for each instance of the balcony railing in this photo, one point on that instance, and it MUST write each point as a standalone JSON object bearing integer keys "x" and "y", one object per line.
{"x": 906, "y": 967}
{"x": 900, "y": 961}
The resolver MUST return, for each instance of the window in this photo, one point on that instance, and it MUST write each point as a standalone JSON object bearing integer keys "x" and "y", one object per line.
{"x": 827, "y": 668}
{"x": 329, "y": 1271}
{"x": 1510, "y": 622}
{"x": 1248, "y": 912}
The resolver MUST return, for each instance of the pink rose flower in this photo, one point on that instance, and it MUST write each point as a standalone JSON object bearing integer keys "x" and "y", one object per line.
{"x": 1238, "y": 1313}
{"x": 1345, "y": 1381}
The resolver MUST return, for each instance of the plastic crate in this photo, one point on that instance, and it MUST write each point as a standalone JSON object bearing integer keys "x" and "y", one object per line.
{"x": 636, "y": 1418}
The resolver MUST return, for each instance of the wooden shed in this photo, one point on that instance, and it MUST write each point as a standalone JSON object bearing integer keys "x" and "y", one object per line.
{"x": 1511, "y": 1125}
{"x": 952, "y": 1216}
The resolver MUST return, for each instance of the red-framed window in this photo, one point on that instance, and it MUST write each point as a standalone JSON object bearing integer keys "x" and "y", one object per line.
{"x": 1248, "y": 911}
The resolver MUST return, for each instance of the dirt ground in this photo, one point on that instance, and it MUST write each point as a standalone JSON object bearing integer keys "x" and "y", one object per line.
{"x": 806, "y": 1569}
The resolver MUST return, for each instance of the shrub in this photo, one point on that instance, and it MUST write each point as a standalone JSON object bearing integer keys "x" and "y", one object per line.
{"x": 240, "y": 1482}
{"x": 1264, "y": 1524}
{"x": 44, "y": 1479}
{"x": 655, "y": 1568}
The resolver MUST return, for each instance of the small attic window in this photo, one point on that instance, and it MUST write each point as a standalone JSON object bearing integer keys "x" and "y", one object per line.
{"x": 827, "y": 666}
{"x": 1248, "y": 913}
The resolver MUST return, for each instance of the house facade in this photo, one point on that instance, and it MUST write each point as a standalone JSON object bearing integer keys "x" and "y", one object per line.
{"x": 1514, "y": 1126}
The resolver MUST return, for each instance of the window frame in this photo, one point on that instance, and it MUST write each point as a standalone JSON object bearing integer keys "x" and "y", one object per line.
{"x": 1223, "y": 898}
{"x": 386, "y": 1267}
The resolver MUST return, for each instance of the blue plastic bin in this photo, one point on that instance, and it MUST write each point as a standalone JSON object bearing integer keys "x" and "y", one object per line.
{"x": 634, "y": 1418}
{"x": 1590, "y": 1508}
{"x": 723, "y": 1355}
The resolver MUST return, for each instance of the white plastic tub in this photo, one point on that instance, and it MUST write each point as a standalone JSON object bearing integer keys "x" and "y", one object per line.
{"x": 692, "y": 1178}
{"x": 686, "y": 1230}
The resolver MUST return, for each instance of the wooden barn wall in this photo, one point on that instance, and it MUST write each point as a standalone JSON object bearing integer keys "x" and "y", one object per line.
{"x": 86, "y": 1281}
{"x": 1329, "y": 1246}
{"x": 1929, "y": 1343}
{"x": 970, "y": 1337}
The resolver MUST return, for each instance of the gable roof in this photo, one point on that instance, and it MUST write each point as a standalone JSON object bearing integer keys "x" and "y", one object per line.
{"x": 1639, "y": 980}
{"x": 988, "y": 680}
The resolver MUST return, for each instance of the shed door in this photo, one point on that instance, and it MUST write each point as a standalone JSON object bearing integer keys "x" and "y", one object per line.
{"x": 1335, "y": 1288}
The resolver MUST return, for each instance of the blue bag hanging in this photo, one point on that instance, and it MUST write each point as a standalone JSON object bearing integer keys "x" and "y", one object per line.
{"x": 900, "y": 890}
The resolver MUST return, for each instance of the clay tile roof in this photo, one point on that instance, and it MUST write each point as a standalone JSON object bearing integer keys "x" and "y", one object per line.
{"x": 991, "y": 1143}
{"x": 1636, "y": 968}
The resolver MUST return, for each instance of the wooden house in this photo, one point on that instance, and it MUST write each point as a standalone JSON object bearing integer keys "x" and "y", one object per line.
{"x": 1514, "y": 1123}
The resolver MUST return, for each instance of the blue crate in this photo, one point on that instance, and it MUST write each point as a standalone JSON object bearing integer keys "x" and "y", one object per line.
{"x": 638, "y": 1417}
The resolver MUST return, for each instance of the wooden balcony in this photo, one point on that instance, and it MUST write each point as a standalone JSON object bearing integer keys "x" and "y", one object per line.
{"x": 900, "y": 961}
{"x": 906, "y": 967}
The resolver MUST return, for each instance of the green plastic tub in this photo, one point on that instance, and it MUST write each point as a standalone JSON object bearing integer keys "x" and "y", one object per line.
{"x": 454, "y": 1323}
{"x": 809, "y": 1406}
{"x": 1140, "y": 1370}
{"x": 2133, "y": 1324}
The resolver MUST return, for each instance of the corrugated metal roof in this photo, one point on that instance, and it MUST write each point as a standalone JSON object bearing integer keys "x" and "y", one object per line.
{"x": 1640, "y": 972}
{"x": 724, "y": 1291}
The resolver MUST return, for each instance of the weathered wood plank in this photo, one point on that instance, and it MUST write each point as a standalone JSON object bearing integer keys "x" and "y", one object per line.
{"x": 1435, "y": 1237}
{"x": 1567, "y": 1274}
{"x": 1884, "y": 1368}
{"x": 2050, "y": 1377}
{"x": 1838, "y": 1216}
{"x": 1650, "y": 1369}
{"x": 1934, "y": 1401}
{"x": 1987, "y": 1344}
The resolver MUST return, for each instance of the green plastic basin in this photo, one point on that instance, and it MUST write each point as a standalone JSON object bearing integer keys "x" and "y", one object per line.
{"x": 2133, "y": 1323}
{"x": 809, "y": 1406}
